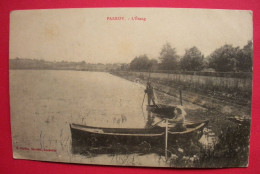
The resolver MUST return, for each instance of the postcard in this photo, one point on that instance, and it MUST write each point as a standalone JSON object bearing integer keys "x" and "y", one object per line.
{"x": 143, "y": 87}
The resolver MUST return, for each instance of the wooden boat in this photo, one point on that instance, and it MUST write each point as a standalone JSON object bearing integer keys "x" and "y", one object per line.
{"x": 155, "y": 135}
{"x": 163, "y": 111}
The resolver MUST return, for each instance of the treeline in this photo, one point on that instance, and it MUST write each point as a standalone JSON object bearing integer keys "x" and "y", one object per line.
{"x": 25, "y": 63}
{"x": 224, "y": 59}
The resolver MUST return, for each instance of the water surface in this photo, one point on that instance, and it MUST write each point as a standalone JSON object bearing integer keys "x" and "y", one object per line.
{"x": 44, "y": 103}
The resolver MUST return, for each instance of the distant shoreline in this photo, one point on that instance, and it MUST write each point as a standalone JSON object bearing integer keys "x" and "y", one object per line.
{"x": 34, "y": 64}
{"x": 58, "y": 70}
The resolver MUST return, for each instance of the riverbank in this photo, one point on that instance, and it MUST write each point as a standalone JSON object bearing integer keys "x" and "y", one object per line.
{"x": 226, "y": 138}
{"x": 229, "y": 108}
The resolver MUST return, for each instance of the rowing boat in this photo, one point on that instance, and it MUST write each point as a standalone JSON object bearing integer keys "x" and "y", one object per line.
{"x": 155, "y": 135}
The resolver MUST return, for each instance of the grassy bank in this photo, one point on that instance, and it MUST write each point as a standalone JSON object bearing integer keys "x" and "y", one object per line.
{"x": 213, "y": 99}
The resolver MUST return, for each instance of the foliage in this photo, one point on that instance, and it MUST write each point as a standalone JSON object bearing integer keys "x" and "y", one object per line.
{"x": 153, "y": 64}
{"x": 232, "y": 147}
{"x": 224, "y": 59}
{"x": 124, "y": 67}
{"x": 245, "y": 59}
{"x": 192, "y": 60}
{"x": 169, "y": 58}
{"x": 230, "y": 59}
{"x": 143, "y": 63}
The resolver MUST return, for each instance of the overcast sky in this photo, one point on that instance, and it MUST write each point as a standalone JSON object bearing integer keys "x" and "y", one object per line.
{"x": 86, "y": 34}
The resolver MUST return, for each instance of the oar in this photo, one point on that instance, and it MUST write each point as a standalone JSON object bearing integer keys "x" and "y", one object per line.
{"x": 157, "y": 123}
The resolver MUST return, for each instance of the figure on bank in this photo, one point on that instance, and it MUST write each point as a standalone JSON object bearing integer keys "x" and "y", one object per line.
{"x": 150, "y": 93}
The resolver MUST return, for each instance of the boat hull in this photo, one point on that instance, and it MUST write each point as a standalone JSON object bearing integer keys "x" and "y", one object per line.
{"x": 94, "y": 136}
{"x": 100, "y": 138}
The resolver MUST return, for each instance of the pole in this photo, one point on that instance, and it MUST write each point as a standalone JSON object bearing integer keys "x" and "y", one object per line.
{"x": 143, "y": 100}
{"x": 166, "y": 139}
{"x": 180, "y": 97}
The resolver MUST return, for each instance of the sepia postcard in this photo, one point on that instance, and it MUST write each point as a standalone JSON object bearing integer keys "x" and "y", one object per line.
{"x": 150, "y": 87}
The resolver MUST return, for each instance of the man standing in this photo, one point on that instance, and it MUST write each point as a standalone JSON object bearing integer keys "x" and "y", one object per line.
{"x": 150, "y": 93}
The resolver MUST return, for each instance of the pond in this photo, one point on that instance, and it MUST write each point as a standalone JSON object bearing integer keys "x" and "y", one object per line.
{"x": 44, "y": 103}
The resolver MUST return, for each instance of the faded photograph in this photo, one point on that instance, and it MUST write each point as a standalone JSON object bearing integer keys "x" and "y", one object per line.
{"x": 152, "y": 87}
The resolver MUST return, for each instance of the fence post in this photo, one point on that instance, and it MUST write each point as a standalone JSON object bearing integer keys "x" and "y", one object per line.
{"x": 180, "y": 97}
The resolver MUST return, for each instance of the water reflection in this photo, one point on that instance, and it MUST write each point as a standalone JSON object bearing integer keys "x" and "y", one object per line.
{"x": 150, "y": 120}
{"x": 208, "y": 139}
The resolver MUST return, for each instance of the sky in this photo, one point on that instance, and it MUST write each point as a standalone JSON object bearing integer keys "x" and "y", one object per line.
{"x": 87, "y": 34}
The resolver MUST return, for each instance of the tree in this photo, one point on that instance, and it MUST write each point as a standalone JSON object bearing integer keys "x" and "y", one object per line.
{"x": 224, "y": 59}
{"x": 245, "y": 58}
{"x": 143, "y": 63}
{"x": 153, "y": 64}
{"x": 192, "y": 60}
{"x": 82, "y": 62}
{"x": 168, "y": 57}
{"x": 140, "y": 63}
{"x": 124, "y": 67}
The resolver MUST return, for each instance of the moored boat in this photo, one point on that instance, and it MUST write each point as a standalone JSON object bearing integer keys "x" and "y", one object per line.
{"x": 155, "y": 135}
{"x": 163, "y": 111}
